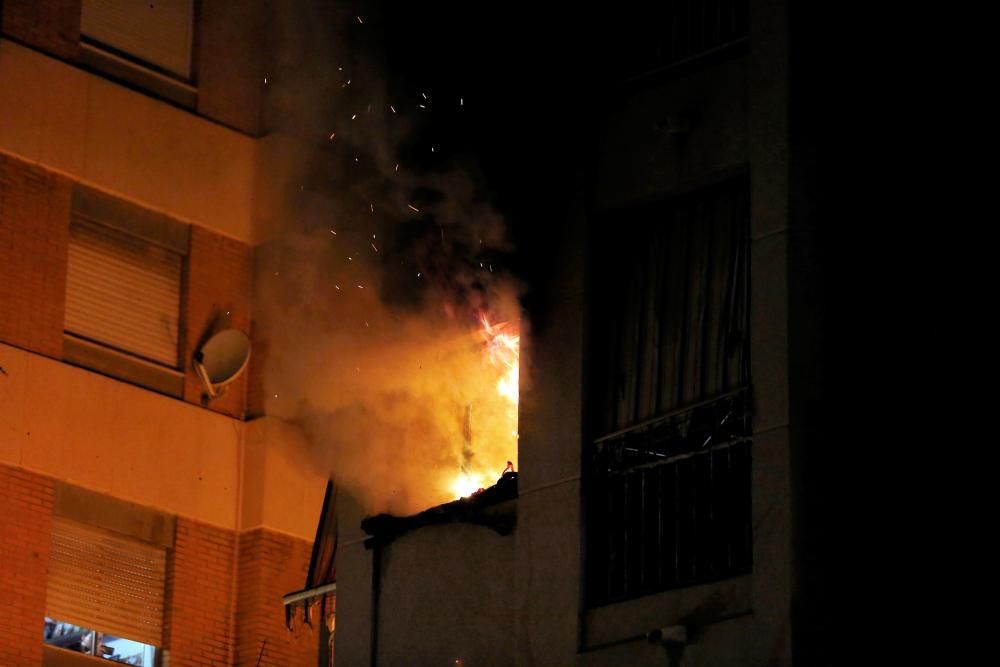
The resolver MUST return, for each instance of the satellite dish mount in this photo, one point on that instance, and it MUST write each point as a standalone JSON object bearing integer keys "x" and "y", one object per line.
{"x": 221, "y": 360}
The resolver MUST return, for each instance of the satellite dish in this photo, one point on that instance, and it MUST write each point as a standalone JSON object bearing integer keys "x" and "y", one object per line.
{"x": 221, "y": 360}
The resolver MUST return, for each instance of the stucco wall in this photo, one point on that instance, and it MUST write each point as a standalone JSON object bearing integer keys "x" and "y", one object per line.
{"x": 118, "y": 439}
{"x": 102, "y": 134}
{"x": 446, "y": 595}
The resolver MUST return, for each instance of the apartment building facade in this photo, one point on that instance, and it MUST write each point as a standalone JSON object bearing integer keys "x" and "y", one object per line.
{"x": 662, "y": 428}
{"x": 140, "y": 519}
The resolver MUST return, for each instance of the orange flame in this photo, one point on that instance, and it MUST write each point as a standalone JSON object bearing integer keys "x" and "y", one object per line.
{"x": 502, "y": 354}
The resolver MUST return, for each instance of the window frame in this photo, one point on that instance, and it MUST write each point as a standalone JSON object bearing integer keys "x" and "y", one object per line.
{"x": 148, "y": 77}
{"x": 597, "y": 434}
{"x": 92, "y": 207}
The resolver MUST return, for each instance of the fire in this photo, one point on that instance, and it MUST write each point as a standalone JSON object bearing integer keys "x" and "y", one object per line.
{"x": 503, "y": 352}
{"x": 501, "y": 358}
{"x": 466, "y": 485}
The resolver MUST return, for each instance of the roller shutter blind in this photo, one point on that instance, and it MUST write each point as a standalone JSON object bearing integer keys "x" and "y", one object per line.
{"x": 106, "y": 582}
{"x": 123, "y": 292}
{"x": 155, "y": 31}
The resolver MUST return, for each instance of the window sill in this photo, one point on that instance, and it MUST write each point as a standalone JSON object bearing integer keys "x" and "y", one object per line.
{"x": 694, "y": 606}
{"x": 121, "y": 366}
{"x": 137, "y": 76}
{"x": 53, "y": 656}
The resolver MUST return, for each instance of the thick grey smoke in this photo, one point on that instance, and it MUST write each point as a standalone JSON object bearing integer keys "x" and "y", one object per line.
{"x": 374, "y": 279}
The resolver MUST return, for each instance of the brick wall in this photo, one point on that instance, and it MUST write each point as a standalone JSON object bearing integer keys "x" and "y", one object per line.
{"x": 34, "y": 237}
{"x": 52, "y": 26}
{"x": 271, "y": 565}
{"x": 229, "y": 89}
{"x": 199, "y": 596}
{"x": 218, "y": 297}
{"x": 25, "y": 534}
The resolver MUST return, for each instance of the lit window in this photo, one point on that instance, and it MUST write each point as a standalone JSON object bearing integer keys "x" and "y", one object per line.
{"x": 105, "y": 594}
{"x": 91, "y": 642}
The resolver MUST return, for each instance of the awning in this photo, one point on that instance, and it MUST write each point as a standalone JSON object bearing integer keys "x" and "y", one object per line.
{"x": 321, "y": 581}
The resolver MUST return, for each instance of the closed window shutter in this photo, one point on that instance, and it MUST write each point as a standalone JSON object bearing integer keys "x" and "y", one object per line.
{"x": 157, "y": 32}
{"x": 106, "y": 582}
{"x": 123, "y": 292}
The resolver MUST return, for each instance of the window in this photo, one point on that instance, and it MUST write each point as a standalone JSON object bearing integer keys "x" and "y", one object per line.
{"x": 105, "y": 594}
{"x": 123, "y": 291}
{"x": 665, "y": 33}
{"x": 669, "y": 473}
{"x": 157, "y": 34}
{"x": 144, "y": 42}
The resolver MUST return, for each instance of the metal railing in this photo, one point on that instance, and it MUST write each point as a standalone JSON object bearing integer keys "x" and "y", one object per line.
{"x": 669, "y": 501}
{"x": 675, "y": 31}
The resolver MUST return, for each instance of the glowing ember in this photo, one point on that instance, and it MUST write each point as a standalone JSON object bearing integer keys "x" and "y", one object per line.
{"x": 466, "y": 485}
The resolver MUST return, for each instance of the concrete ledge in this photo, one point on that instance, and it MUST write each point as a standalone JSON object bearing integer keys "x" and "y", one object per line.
{"x": 694, "y": 606}
{"x": 120, "y": 516}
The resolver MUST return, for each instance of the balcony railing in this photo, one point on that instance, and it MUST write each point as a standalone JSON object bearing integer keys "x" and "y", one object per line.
{"x": 675, "y": 31}
{"x": 669, "y": 501}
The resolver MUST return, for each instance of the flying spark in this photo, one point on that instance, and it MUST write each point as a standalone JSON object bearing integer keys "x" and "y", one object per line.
{"x": 392, "y": 108}
{"x": 354, "y": 116}
{"x": 332, "y": 135}
{"x": 360, "y": 21}
{"x": 414, "y": 208}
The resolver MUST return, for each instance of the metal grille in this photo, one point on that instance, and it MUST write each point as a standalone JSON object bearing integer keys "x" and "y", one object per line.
{"x": 670, "y": 501}
{"x": 665, "y": 33}
{"x": 668, "y": 487}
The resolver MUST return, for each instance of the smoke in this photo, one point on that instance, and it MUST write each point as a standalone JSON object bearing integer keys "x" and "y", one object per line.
{"x": 382, "y": 258}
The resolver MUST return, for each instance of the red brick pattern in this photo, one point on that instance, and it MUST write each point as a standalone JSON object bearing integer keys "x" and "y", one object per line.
{"x": 197, "y": 625}
{"x": 34, "y": 240}
{"x": 52, "y": 26}
{"x": 271, "y": 565}
{"x": 217, "y": 297}
{"x": 25, "y": 536}
{"x": 229, "y": 89}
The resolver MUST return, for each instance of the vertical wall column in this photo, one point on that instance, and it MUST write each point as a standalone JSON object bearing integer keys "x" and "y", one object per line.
{"x": 26, "y": 502}
{"x": 197, "y": 626}
{"x": 34, "y": 241}
{"x": 271, "y": 565}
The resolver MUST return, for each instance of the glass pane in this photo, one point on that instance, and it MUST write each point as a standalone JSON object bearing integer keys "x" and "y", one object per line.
{"x": 90, "y": 642}
{"x": 68, "y": 636}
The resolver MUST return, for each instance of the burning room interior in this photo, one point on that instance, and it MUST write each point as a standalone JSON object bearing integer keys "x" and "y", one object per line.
{"x": 362, "y": 332}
